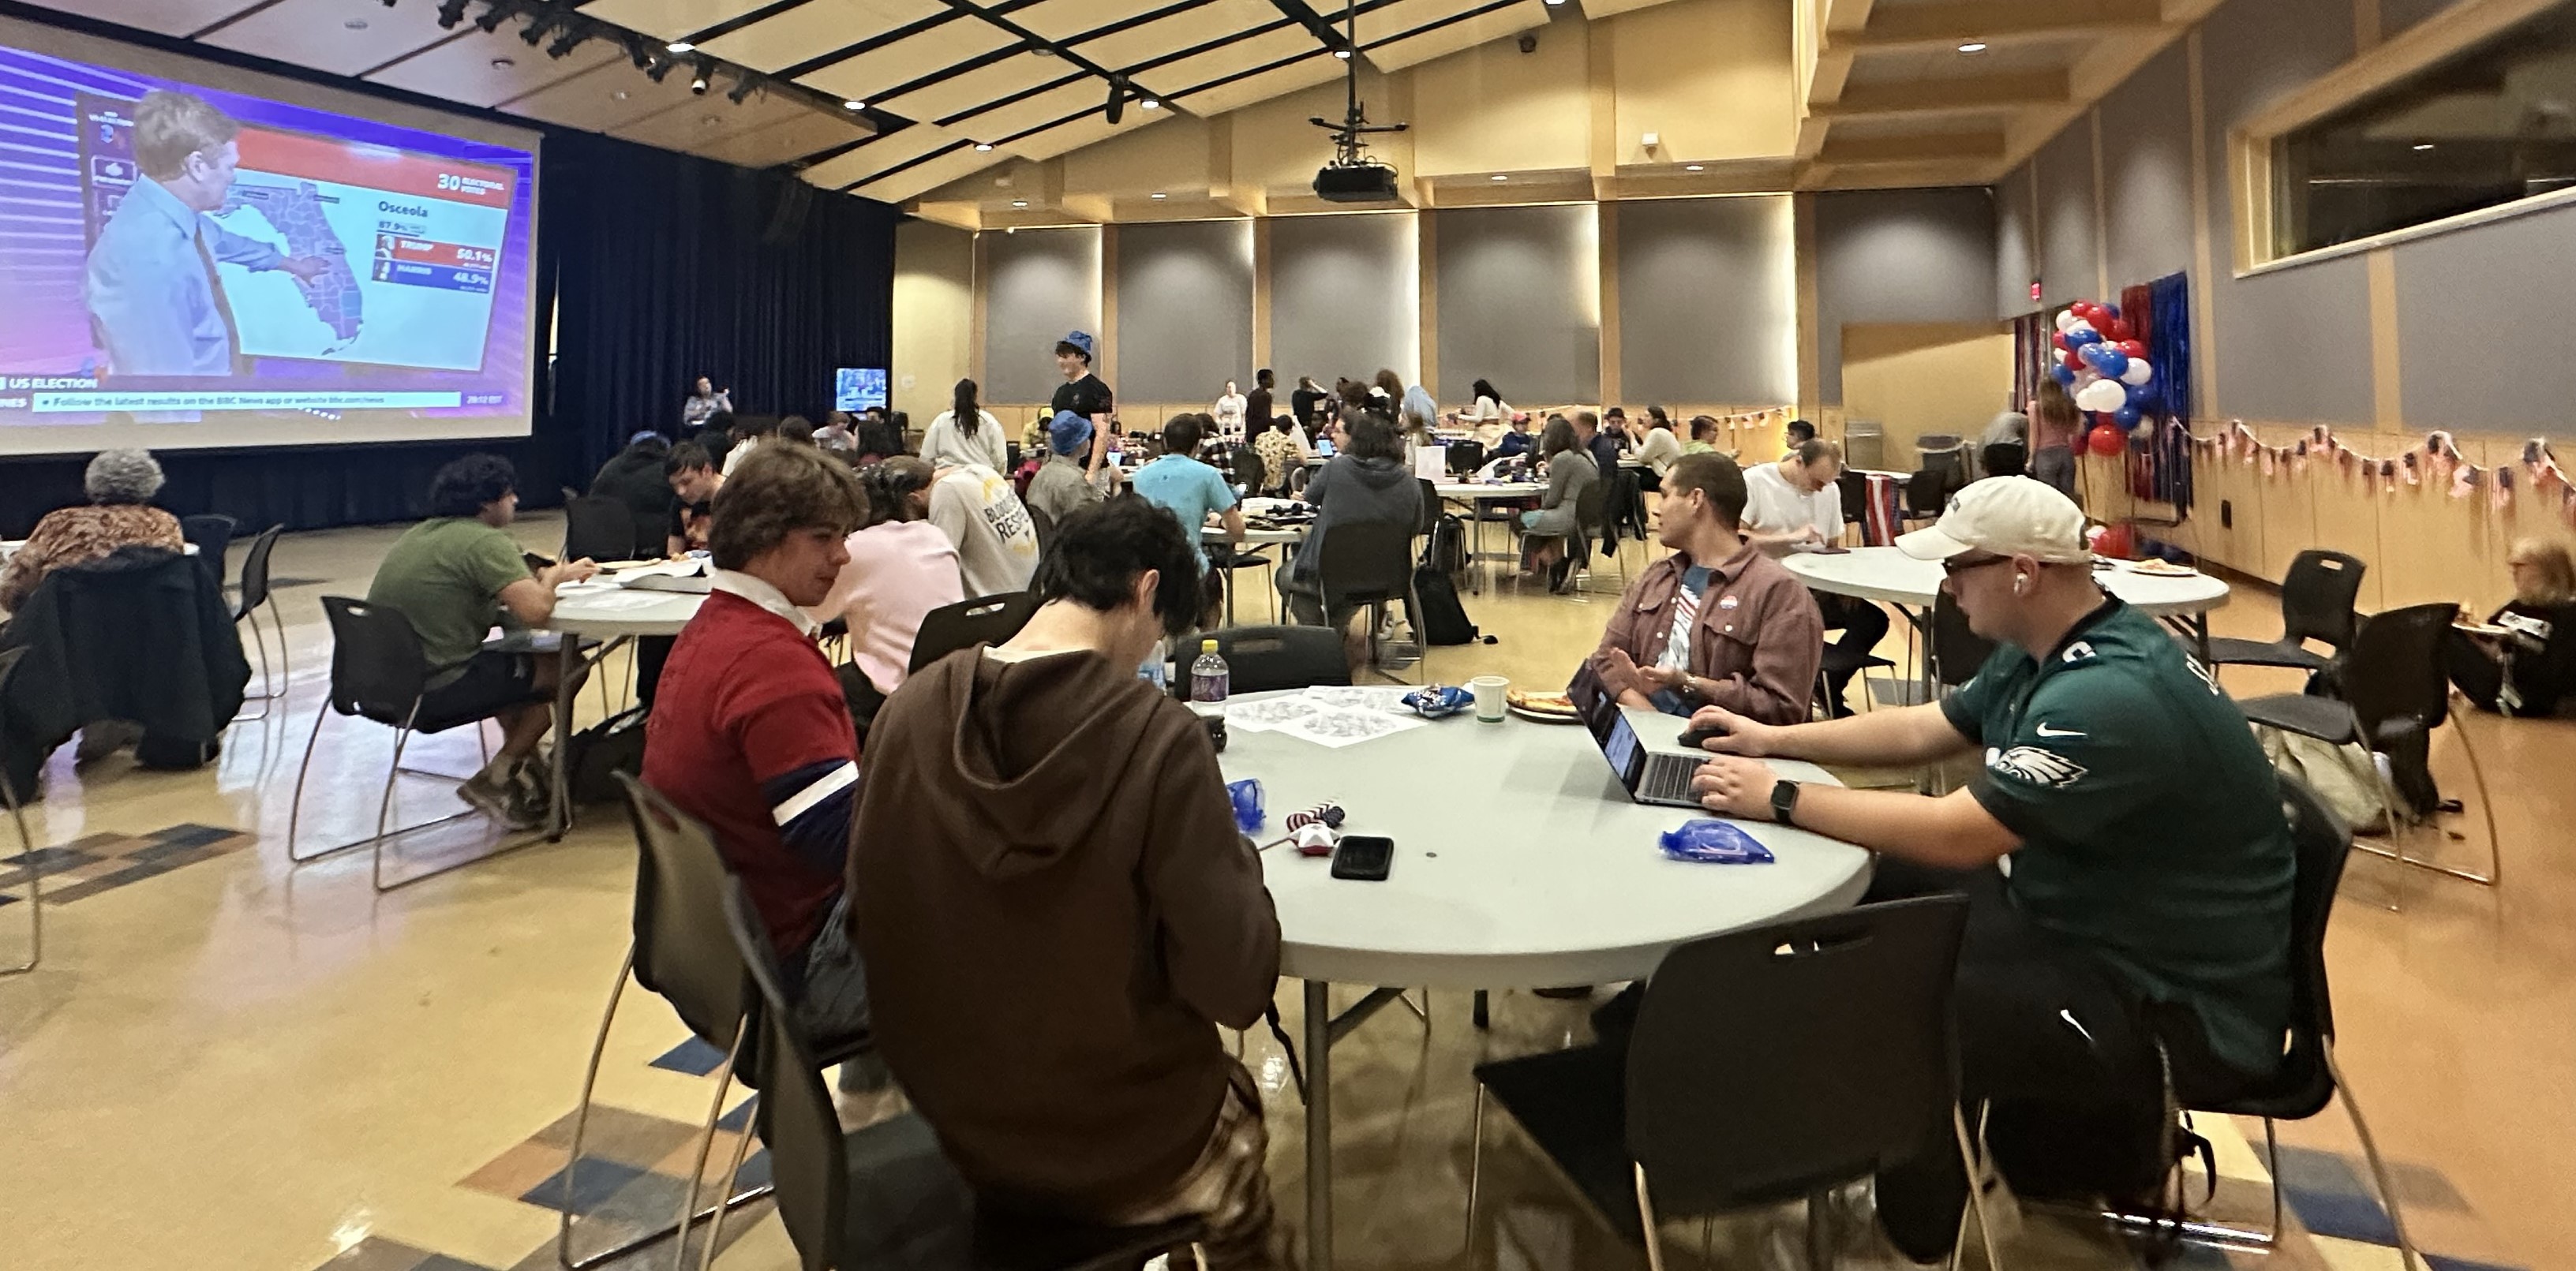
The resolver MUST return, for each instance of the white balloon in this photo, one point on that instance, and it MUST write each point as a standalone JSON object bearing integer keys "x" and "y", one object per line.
{"x": 2066, "y": 319}
{"x": 2102, "y": 395}
{"x": 2138, "y": 373}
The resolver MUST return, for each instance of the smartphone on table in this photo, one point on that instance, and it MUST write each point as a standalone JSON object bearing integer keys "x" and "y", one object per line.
{"x": 1364, "y": 857}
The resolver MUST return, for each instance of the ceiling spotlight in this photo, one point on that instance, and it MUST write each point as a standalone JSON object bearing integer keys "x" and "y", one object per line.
{"x": 660, "y": 67}
{"x": 1019, "y": 202}
{"x": 982, "y": 146}
{"x": 1117, "y": 98}
{"x": 1344, "y": 54}
{"x": 854, "y": 105}
{"x": 1150, "y": 104}
{"x": 450, "y": 12}
{"x": 698, "y": 81}
{"x": 2421, "y": 147}
{"x": 1694, "y": 167}
{"x": 1973, "y": 46}
{"x": 1159, "y": 194}
{"x": 1042, "y": 50}
{"x": 743, "y": 90}
{"x": 572, "y": 38}
{"x": 502, "y": 63}
{"x": 680, "y": 46}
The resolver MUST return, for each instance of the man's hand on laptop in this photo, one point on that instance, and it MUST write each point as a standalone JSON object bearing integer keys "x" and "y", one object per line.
{"x": 1728, "y": 733}
{"x": 1734, "y": 786}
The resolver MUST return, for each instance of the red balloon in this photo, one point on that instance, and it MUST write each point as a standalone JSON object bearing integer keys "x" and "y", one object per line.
{"x": 2118, "y": 331}
{"x": 2118, "y": 542}
{"x": 2134, "y": 348}
{"x": 2074, "y": 361}
{"x": 2060, "y": 341}
{"x": 2106, "y": 440}
{"x": 2091, "y": 313}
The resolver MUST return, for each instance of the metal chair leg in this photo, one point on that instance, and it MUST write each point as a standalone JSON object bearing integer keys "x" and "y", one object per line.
{"x": 1976, "y": 1192}
{"x": 581, "y": 1111}
{"x": 706, "y": 1144}
{"x": 2486, "y": 808}
{"x": 35, "y": 884}
{"x": 1646, "y": 1215}
{"x": 2370, "y": 1153}
{"x": 733, "y": 1170}
{"x": 1475, "y": 1165}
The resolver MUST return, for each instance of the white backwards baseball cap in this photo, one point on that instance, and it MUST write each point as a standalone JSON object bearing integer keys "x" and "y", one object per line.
{"x": 2007, "y": 516}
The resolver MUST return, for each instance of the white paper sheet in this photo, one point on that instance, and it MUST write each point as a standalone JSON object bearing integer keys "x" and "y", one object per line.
{"x": 1269, "y": 713}
{"x": 1339, "y": 728}
{"x": 615, "y": 601}
{"x": 1383, "y": 699}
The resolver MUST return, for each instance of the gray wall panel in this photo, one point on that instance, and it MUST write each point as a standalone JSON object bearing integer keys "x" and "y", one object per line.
{"x": 1520, "y": 295}
{"x": 1184, "y": 310}
{"x": 2016, "y": 244}
{"x": 2397, "y": 15}
{"x": 1039, "y": 284}
{"x": 2146, "y": 170}
{"x": 1342, "y": 297}
{"x": 1900, "y": 256}
{"x": 2067, "y": 247}
{"x": 1708, "y": 301}
{"x": 2478, "y": 352}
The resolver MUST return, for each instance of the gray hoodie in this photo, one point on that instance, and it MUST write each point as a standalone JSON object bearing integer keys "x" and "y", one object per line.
{"x": 1352, "y": 490}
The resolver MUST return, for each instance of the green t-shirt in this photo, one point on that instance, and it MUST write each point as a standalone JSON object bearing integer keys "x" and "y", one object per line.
{"x": 446, "y": 575}
{"x": 2151, "y": 823}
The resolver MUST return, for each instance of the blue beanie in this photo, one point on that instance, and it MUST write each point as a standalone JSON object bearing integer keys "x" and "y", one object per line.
{"x": 1068, "y": 432}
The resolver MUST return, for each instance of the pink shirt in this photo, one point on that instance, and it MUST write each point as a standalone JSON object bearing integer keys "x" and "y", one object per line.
{"x": 898, "y": 572}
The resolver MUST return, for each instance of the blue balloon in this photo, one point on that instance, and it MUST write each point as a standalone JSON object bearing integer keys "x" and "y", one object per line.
{"x": 2127, "y": 416}
{"x": 2080, "y": 335}
{"x": 2111, "y": 309}
{"x": 2065, "y": 374}
{"x": 2139, "y": 396}
{"x": 2109, "y": 361}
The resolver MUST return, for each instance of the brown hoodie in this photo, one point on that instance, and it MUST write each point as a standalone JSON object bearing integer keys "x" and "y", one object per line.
{"x": 1053, "y": 904}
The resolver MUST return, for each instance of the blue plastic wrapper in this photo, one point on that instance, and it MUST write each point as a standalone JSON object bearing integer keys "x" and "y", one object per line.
{"x": 1439, "y": 701}
{"x": 1248, "y": 810}
{"x": 1715, "y": 842}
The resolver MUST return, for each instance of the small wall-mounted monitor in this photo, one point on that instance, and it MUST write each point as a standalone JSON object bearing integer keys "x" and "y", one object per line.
{"x": 858, "y": 387}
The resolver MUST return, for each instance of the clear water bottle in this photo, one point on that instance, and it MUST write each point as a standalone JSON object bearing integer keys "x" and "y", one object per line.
{"x": 1209, "y": 678}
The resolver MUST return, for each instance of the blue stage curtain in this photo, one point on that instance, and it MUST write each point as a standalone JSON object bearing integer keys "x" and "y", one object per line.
{"x": 2169, "y": 349}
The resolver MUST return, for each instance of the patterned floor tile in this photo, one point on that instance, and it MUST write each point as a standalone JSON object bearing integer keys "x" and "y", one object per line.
{"x": 375, "y": 1253}
{"x": 104, "y": 862}
{"x": 694, "y": 1057}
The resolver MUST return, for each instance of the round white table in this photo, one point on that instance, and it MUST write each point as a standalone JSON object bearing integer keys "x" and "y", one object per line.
{"x": 1288, "y": 537}
{"x": 1884, "y": 573}
{"x": 1547, "y": 874}
{"x": 611, "y": 614}
{"x": 1475, "y": 494}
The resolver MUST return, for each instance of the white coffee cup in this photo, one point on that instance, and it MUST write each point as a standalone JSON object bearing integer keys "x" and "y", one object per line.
{"x": 1489, "y": 690}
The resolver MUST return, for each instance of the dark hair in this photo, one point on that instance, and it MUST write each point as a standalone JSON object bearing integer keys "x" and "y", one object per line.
{"x": 1800, "y": 430}
{"x": 1390, "y": 381}
{"x": 1558, "y": 437}
{"x": 776, "y": 492}
{"x": 1588, "y": 421}
{"x": 1485, "y": 388}
{"x": 1283, "y": 423}
{"x": 794, "y": 428}
{"x": 746, "y": 427}
{"x": 651, "y": 444}
{"x": 969, "y": 416}
{"x": 465, "y": 486}
{"x": 721, "y": 421}
{"x": 1815, "y": 448}
{"x": 1101, "y": 549}
{"x": 1354, "y": 394}
{"x": 1373, "y": 437}
{"x": 891, "y": 483}
{"x": 1615, "y": 412}
{"x": 1262, "y": 378}
{"x": 1713, "y": 475}
{"x": 1703, "y": 427}
{"x": 1181, "y": 435}
{"x": 688, "y": 456}
{"x": 1661, "y": 420}
{"x": 1063, "y": 347}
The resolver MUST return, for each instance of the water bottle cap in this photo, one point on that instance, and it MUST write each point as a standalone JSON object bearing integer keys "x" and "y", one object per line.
{"x": 1207, "y": 646}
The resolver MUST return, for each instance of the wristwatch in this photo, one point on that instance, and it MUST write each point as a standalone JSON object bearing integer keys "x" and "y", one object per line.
{"x": 1784, "y": 801}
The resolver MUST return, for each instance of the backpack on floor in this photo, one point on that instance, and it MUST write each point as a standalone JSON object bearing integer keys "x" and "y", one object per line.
{"x": 597, "y": 753}
{"x": 1442, "y": 620}
{"x": 1446, "y": 549}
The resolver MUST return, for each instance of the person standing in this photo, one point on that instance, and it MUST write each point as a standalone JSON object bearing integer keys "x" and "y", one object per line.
{"x": 1302, "y": 403}
{"x": 1084, "y": 394}
{"x": 1260, "y": 406}
{"x": 2054, "y": 424}
{"x": 156, "y": 299}
{"x": 704, "y": 403}
{"x": 966, "y": 433}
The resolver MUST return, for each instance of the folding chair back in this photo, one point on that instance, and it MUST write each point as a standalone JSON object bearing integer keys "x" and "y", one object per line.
{"x": 378, "y": 670}
{"x": 982, "y": 620}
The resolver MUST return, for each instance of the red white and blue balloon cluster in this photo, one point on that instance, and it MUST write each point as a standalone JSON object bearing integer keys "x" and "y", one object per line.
{"x": 2103, "y": 363}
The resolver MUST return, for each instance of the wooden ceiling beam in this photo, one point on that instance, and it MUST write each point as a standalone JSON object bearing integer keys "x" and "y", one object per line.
{"x": 1930, "y": 147}
{"x": 1948, "y": 96}
{"x": 1932, "y": 26}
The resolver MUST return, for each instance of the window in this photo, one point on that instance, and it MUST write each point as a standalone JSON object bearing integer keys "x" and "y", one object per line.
{"x": 2492, "y": 124}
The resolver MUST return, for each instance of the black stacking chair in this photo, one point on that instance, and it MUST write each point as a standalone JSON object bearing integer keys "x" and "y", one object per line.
{"x": 1371, "y": 564}
{"x": 212, "y": 534}
{"x": 1956, "y": 649}
{"x": 2394, "y": 693}
{"x": 28, "y": 858}
{"x": 598, "y": 529}
{"x": 1260, "y": 659}
{"x": 2316, "y": 604}
{"x": 1044, "y": 524}
{"x": 982, "y": 620}
{"x": 254, "y": 597}
{"x": 884, "y": 1197}
{"x": 1847, "y": 1017}
{"x": 1464, "y": 457}
{"x": 2309, "y": 1078}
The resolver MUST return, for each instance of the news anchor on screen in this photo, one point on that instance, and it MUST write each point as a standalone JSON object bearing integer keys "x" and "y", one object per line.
{"x": 155, "y": 299}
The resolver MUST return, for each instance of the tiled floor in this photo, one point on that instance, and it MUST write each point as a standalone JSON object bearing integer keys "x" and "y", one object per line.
{"x": 225, "y": 1062}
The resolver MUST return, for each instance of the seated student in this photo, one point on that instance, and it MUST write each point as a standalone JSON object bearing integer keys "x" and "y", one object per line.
{"x": 716, "y": 437}
{"x": 1193, "y": 490}
{"x": 1717, "y": 622}
{"x": 901, "y": 567}
{"x": 2145, "y": 926}
{"x": 453, "y": 576}
{"x": 1703, "y": 436}
{"x": 1545, "y": 532}
{"x": 1795, "y": 506}
{"x": 1282, "y": 453}
{"x": 1605, "y": 442}
{"x": 1059, "y": 486}
{"x": 751, "y": 735}
{"x": 997, "y": 544}
{"x": 693, "y": 478}
{"x": 1044, "y": 835}
{"x": 1798, "y": 433}
{"x": 638, "y": 478}
{"x": 1655, "y": 445}
{"x": 1365, "y": 484}
{"x": 2530, "y": 670}
{"x": 120, "y": 485}
{"x": 1516, "y": 442}
{"x": 750, "y": 432}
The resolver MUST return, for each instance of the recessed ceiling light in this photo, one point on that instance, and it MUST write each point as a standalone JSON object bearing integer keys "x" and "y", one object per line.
{"x": 1042, "y": 50}
{"x": 1500, "y": 177}
{"x": 1159, "y": 194}
{"x": 356, "y": 24}
{"x": 2419, "y": 149}
{"x": 502, "y": 63}
{"x": 854, "y": 105}
{"x": 1150, "y": 104}
{"x": 1344, "y": 54}
{"x": 1694, "y": 167}
{"x": 1972, "y": 46}
{"x": 621, "y": 94}
{"x": 982, "y": 146}
{"x": 1019, "y": 202}
{"x": 681, "y": 46}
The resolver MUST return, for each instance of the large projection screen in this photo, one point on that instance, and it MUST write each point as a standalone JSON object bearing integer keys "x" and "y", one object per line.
{"x": 343, "y": 270}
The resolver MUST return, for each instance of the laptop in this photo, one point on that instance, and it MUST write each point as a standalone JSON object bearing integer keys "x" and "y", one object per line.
{"x": 1645, "y": 751}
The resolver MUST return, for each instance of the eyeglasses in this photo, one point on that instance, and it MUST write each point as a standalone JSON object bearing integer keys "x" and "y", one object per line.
{"x": 1956, "y": 566}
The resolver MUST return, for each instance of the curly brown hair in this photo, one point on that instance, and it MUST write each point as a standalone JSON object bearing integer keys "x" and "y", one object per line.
{"x": 777, "y": 491}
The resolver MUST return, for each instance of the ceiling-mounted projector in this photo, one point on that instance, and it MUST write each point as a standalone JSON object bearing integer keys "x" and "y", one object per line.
{"x": 1365, "y": 182}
